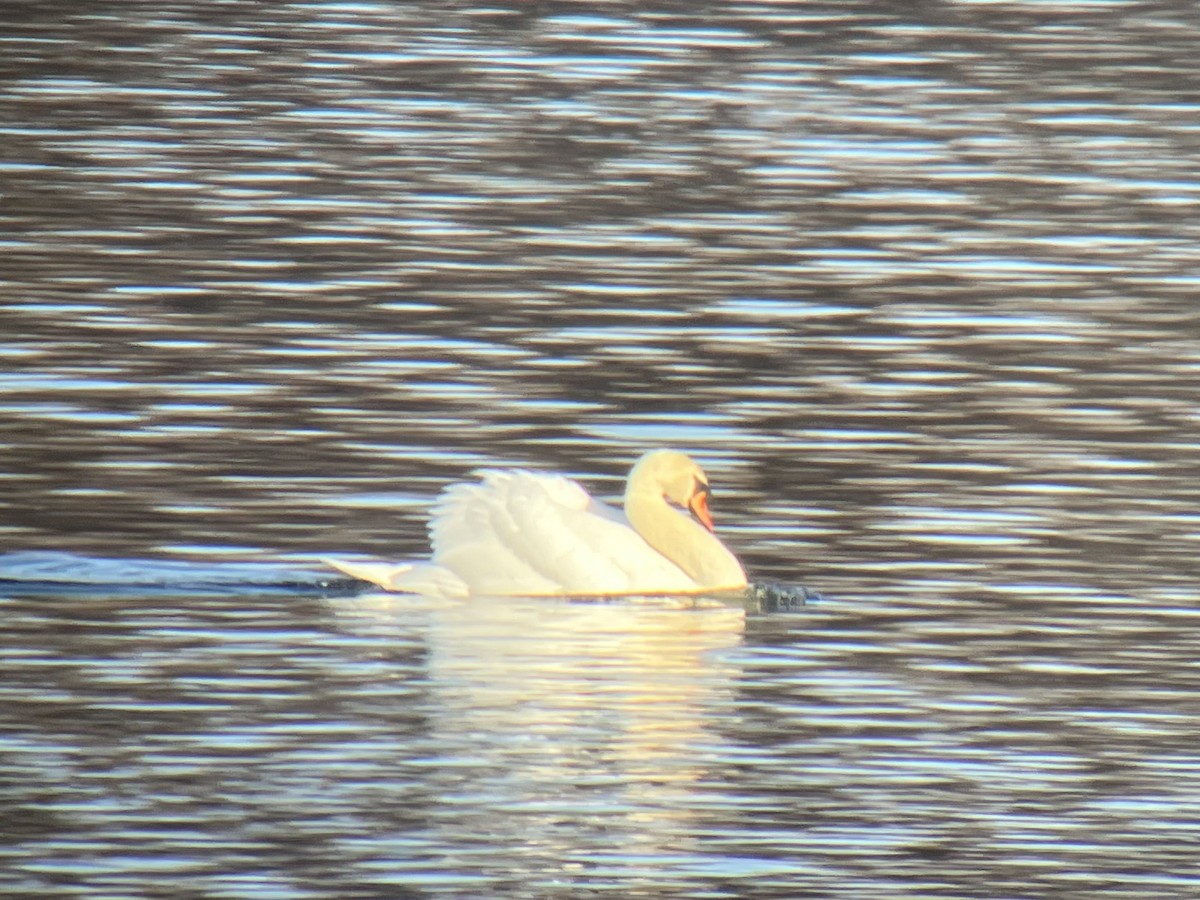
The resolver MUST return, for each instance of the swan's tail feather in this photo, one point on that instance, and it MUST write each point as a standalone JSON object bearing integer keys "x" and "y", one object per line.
{"x": 405, "y": 578}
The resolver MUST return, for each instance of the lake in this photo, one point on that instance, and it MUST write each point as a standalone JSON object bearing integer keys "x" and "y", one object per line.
{"x": 916, "y": 285}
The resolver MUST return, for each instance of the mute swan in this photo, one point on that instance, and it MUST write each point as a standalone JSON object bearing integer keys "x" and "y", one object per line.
{"x": 520, "y": 533}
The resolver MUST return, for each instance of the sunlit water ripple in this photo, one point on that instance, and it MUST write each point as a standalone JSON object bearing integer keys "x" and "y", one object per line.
{"x": 917, "y": 287}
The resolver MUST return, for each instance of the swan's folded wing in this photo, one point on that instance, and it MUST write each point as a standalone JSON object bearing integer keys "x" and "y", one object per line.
{"x": 519, "y": 532}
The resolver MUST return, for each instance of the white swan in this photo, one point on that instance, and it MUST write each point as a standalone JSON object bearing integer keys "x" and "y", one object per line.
{"x": 519, "y": 533}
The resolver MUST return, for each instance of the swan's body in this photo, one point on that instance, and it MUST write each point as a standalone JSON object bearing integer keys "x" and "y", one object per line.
{"x": 521, "y": 533}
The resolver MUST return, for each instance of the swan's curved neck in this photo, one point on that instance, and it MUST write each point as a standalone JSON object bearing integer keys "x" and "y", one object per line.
{"x": 681, "y": 539}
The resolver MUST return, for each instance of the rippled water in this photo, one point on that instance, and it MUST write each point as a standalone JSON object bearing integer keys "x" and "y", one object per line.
{"x": 916, "y": 285}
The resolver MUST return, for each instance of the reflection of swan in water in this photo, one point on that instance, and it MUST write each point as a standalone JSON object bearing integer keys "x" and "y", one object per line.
{"x": 570, "y": 730}
{"x": 518, "y": 533}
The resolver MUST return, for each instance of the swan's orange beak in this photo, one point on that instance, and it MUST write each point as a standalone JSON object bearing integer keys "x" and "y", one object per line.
{"x": 698, "y": 504}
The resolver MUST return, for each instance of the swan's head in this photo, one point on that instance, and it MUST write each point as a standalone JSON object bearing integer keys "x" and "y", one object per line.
{"x": 677, "y": 479}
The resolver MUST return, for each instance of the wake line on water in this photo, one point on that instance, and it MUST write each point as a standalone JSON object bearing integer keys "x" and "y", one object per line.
{"x": 52, "y": 571}
{"x": 57, "y": 572}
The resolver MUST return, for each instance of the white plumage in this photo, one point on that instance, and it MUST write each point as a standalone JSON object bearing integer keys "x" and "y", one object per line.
{"x": 516, "y": 532}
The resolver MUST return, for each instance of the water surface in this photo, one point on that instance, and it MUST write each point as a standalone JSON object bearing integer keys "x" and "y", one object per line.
{"x": 916, "y": 286}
